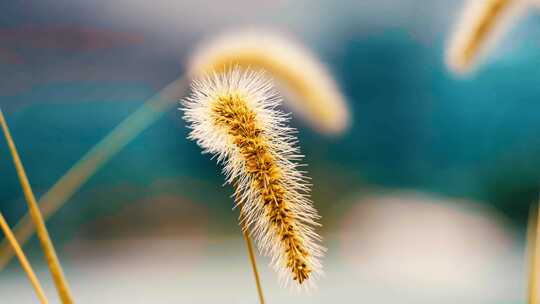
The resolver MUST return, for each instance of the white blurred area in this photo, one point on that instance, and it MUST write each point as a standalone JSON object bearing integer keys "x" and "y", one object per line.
{"x": 397, "y": 247}
{"x": 435, "y": 247}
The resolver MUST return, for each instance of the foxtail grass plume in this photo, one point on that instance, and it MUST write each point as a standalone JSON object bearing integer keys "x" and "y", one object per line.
{"x": 310, "y": 90}
{"x": 480, "y": 25}
{"x": 233, "y": 116}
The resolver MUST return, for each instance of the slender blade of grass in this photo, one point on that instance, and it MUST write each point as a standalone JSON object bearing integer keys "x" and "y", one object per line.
{"x": 251, "y": 252}
{"x": 23, "y": 260}
{"x": 253, "y": 261}
{"x": 533, "y": 242}
{"x": 45, "y": 240}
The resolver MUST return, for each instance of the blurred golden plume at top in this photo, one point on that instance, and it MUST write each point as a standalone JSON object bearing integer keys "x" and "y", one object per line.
{"x": 310, "y": 90}
{"x": 481, "y": 24}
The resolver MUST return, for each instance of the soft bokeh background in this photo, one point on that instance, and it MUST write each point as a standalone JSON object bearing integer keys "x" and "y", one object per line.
{"x": 424, "y": 199}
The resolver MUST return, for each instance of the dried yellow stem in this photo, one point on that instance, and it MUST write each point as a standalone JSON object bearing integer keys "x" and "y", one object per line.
{"x": 533, "y": 244}
{"x": 43, "y": 235}
{"x": 23, "y": 260}
{"x": 253, "y": 261}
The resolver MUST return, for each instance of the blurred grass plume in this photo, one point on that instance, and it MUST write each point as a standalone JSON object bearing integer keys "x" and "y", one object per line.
{"x": 311, "y": 91}
{"x": 480, "y": 26}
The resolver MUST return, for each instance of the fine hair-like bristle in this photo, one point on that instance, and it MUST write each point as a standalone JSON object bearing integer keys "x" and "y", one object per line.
{"x": 480, "y": 25}
{"x": 309, "y": 88}
{"x": 233, "y": 115}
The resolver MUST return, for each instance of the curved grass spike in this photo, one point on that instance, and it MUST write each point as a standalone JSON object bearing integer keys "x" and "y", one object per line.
{"x": 23, "y": 260}
{"x": 482, "y": 22}
{"x": 33, "y": 208}
{"x": 233, "y": 115}
{"x": 311, "y": 91}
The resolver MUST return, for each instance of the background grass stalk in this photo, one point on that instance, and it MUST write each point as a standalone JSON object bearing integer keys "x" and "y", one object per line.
{"x": 23, "y": 260}
{"x": 533, "y": 241}
{"x": 43, "y": 235}
{"x": 96, "y": 158}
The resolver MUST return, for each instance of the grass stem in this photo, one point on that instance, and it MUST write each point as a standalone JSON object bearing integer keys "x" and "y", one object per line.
{"x": 23, "y": 260}
{"x": 253, "y": 261}
{"x": 43, "y": 235}
{"x": 533, "y": 241}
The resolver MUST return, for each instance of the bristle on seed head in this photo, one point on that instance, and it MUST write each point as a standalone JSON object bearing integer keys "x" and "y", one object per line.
{"x": 233, "y": 115}
{"x": 310, "y": 90}
{"x": 480, "y": 25}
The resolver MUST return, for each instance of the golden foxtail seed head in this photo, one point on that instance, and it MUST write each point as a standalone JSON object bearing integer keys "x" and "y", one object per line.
{"x": 479, "y": 27}
{"x": 233, "y": 115}
{"x": 311, "y": 91}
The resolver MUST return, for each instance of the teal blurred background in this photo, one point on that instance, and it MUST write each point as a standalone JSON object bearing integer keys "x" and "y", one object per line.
{"x": 72, "y": 70}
